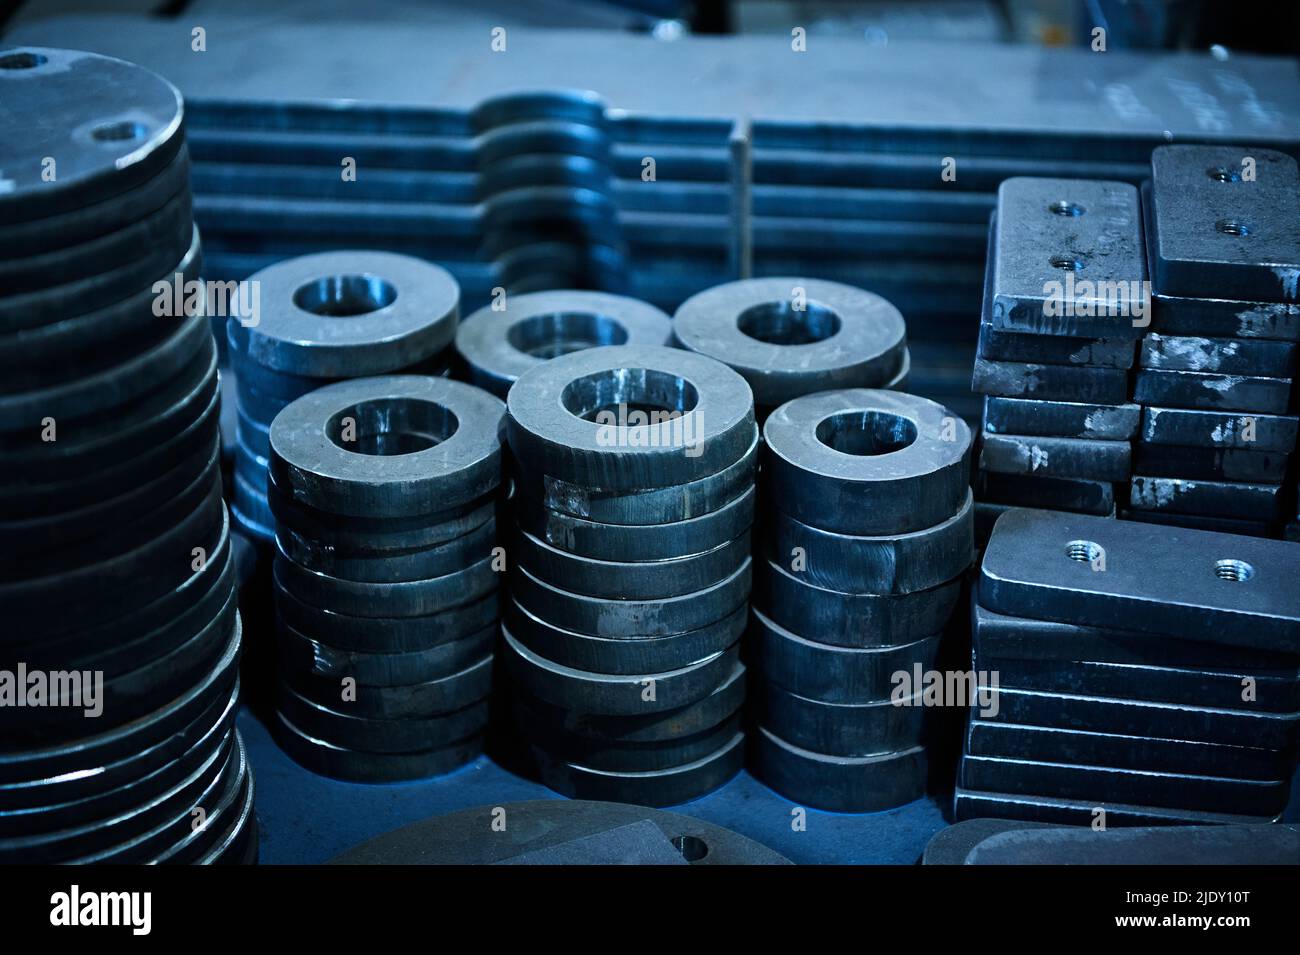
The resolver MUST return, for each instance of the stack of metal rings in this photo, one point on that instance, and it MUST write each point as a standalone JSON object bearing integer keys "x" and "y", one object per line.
{"x": 384, "y": 492}
{"x": 498, "y": 343}
{"x": 792, "y": 336}
{"x": 119, "y": 661}
{"x": 870, "y": 526}
{"x": 630, "y": 572}
{"x": 319, "y": 319}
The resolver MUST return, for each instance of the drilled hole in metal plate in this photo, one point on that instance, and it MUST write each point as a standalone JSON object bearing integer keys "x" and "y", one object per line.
{"x": 559, "y": 333}
{"x": 1087, "y": 551}
{"x": 1066, "y": 263}
{"x": 391, "y": 426}
{"x": 692, "y": 848}
{"x": 1223, "y": 174}
{"x": 1064, "y": 208}
{"x": 118, "y": 132}
{"x": 22, "y": 61}
{"x": 866, "y": 432}
{"x": 624, "y": 392}
{"x": 780, "y": 323}
{"x": 1232, "y": 227}
{"x": 1235, "y": 570}
{"x": 345, "y": 296}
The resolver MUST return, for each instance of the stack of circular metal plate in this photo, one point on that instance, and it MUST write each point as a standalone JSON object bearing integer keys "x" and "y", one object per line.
{"x": 384, "y": 492}
{"x": 630, "y": 576}
{"x": 792, "y": 336}
{"x": 1216, "y": 374}
{"x": 499, "y": 342}
{"x": 118, "y": 668}
{"x": 318, "y": 319}
{"x": 869, "y": 528}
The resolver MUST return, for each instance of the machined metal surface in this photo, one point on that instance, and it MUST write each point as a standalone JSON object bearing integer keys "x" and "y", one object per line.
{"x": 841, "y": 783}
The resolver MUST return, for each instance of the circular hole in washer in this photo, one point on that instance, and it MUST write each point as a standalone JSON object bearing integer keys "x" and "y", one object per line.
{"x": 1235, "y": 570}
{"x": 866, "y": 432}
{"x": 391, "y": 426}
{"x": 558, "y": 333}
{"x": 780, "y": 323}
{"x": 118, "y": 132}
{"x": 343, "y": 296}
{"x": 1063, "y": 208}
{"x": 1231, "y": 227}
{"x": 22, "y": 61}
{"x": 625, "y": 391}
{"x": 1223, "y": 174}
{"x": 1066, "y": 263}
{"x": 1087, "y": 551}
{"x": 692, "y": 848}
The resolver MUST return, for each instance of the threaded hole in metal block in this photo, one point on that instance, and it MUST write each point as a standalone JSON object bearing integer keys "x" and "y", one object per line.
{"x": 1235, "y": 570}
{"x": 1232, "y": 227}
{"x": 1065, "y": 263}
{"x": 1064, "y": 208}
{"x": 1087, "y": 551}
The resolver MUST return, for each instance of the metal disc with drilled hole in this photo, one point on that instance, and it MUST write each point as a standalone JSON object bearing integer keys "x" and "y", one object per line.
{"x": 897, "y": 564}
{"x": 615, "y": 695}
{"x": 498, "y": 345}
{"x": 662, "y": 787}
{"x": 635, "y": 542}
{"x": 410, "y": 701}
{"x": 631, "y": 618}
{"x": 645, "y": 506}
{"x": 326, "y": 759}
{"x": 867, "y": 462}
{"x": 616, "y": 655}
{"x": 834, "y": 674}
{"x": 840, "y": 783}
{"x": 415, "y": 445}
{"x": 852, "y": 620}
{"x": 629, "y": 417}
{"x": 553, "y": 831}
{"x": 350, "y": 313}
{"x": 841, "y": 729}
{"x": 104, "y": 144}
{"x": 633, "y": 579}
{"x": 791, "y": 336}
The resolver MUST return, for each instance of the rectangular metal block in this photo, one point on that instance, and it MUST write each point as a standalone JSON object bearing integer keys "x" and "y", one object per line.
{"x": 1225, "y": 222}
{"x": 972, "y": 804}
{"x": 1149, "y": 753}
{"x": 1189, "y": 584}
{"x": 1248, "y": 797}
{"x": 1061, "y": 419}
{"x": 1228, "y": 356}
{"x": 1223, "y": 525}
{"x": 1039, "y": 456}
{"x": 1069, "y": 259}
{"x": 1069, "y": 494}
{"x": 1051, "y": 382}
{"x": 1027, "y": 638}
{"x": 1218, "y": 429}
{"x": 1055, "y": 349}
{"x": 1097, "y": 714}
{"x": 1209, "y": 464}
{"x": 1251, "y": 502}
{"x": 1224, "y": 318}
{"x": 1211, "y": 391}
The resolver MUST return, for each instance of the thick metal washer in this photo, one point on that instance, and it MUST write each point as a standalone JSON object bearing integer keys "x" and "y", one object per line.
{"x": 840, "y": 783}
{"x": 391, "y": 567}
{"x": 867, "y": 462}
{"x": 409, "y": 734}
{"x": 305, "y": 654}
{"x": 498, "y": 346}
{"x": 411, "y": 598}
{"x": 841, "y": 729}
{"x": 336, "y": 762}
{"x": 791, "y": 336}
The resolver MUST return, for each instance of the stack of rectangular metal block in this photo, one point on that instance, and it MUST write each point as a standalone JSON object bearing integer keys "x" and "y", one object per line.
{"x": 1144, "y": 675}
{"x": 1215, "y": 375}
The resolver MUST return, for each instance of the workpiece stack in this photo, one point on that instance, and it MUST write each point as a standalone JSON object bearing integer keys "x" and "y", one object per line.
{"x": 1145, "y": 675}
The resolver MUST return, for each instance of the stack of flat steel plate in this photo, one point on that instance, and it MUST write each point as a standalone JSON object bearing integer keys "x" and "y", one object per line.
{"x": 319, "y": 319}
{"x": 384, "y": 492}
{"x": 1215, "y": 375}
{"x": 869, "y": 529}
{"x": 1145, "y": 675}
{"x": 789, "y": 337}
{"x": 630, "y": 570}
{"x": 1063, "y": 307}
{"x": 119, "y": 662}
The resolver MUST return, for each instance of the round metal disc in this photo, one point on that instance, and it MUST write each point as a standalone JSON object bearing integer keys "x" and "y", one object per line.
{"x": 339, "y": 763}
